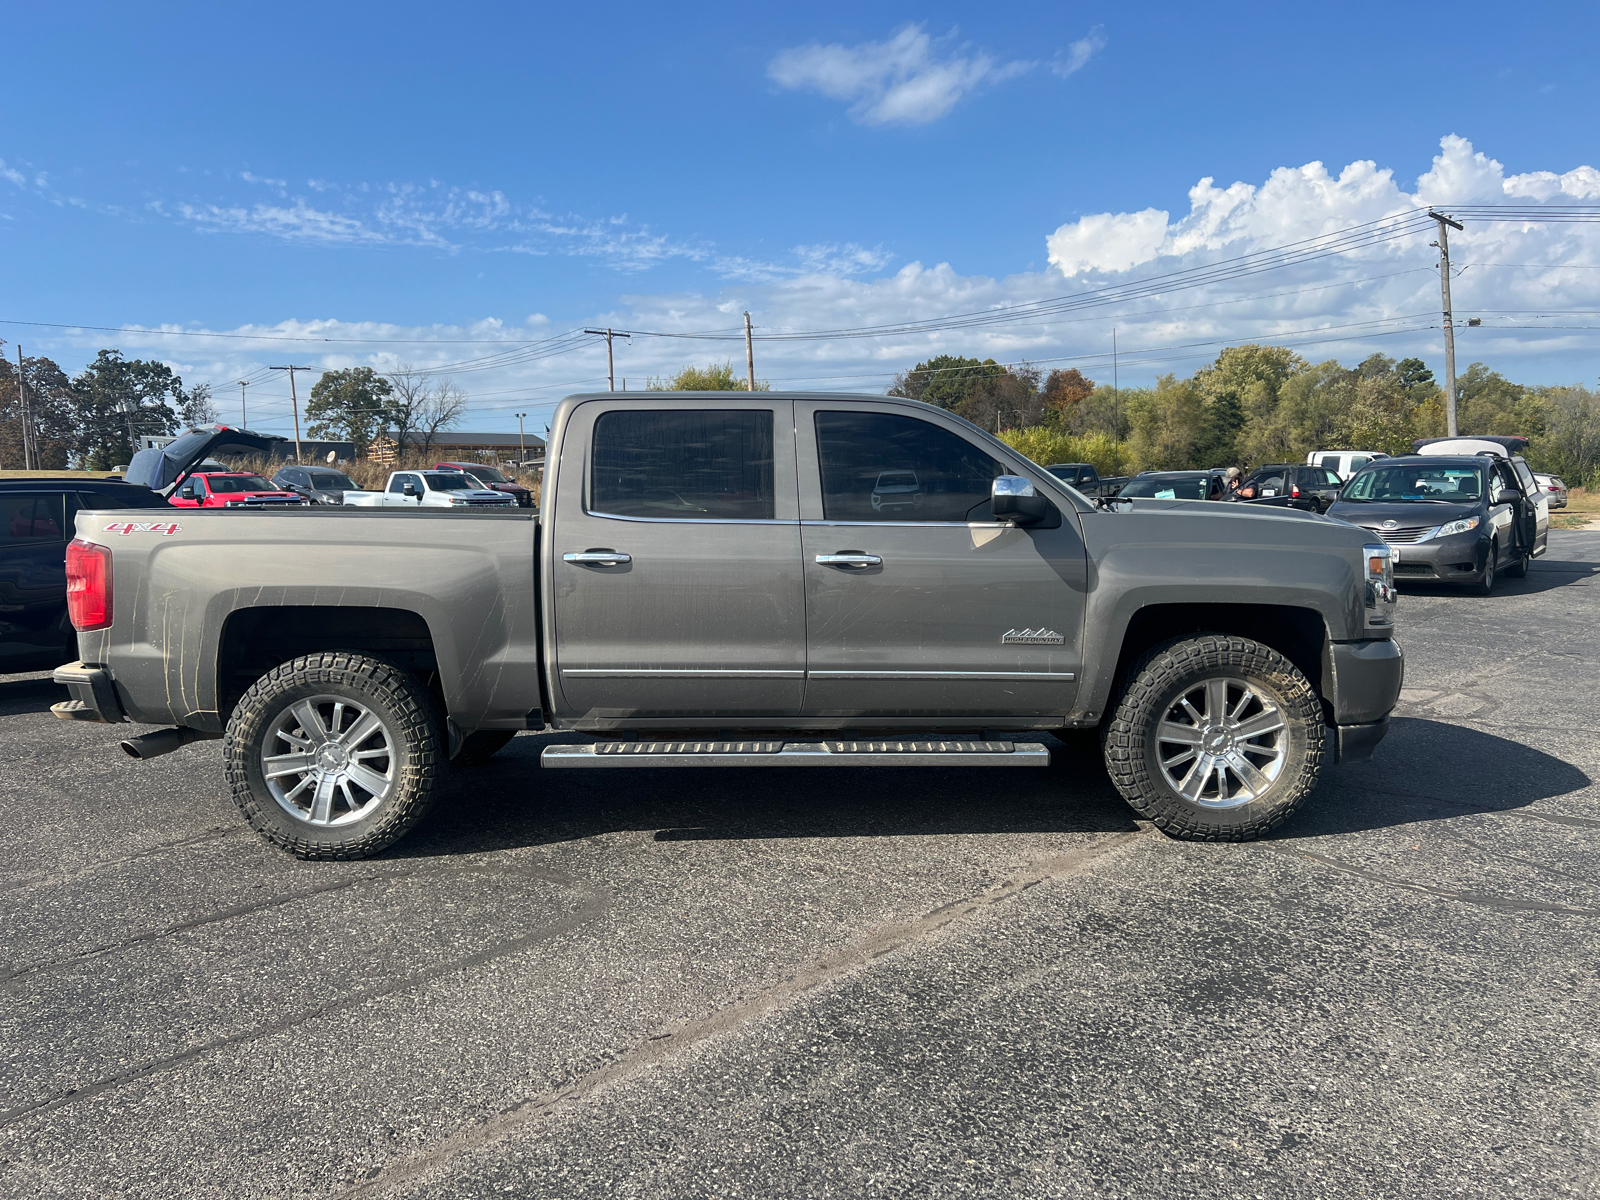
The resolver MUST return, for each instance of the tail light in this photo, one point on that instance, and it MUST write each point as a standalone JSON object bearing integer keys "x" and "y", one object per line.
{"x": 1295, "y": 493}
{"x": 88, "y": 585}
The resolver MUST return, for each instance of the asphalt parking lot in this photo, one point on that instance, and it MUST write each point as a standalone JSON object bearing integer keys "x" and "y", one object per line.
{"x": 797, "y": 984}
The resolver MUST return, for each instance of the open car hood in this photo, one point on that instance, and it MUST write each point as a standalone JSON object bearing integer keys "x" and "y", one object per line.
{"x": 163, "y": 469}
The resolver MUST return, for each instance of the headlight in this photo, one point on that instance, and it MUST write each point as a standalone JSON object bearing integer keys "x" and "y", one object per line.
{"x": 1380, "y": 593}
{"x": 457, "y": 501}
{"x": 1465, "y": 525}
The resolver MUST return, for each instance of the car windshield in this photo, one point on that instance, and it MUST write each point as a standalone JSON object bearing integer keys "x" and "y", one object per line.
{"x": 1459, "y": 485}
{"x": 1165, "y": 487}
{"x": 450, "y": 483}
{"x": 489, "y": 475}
{"x": 238, "y": 483}
{"x": 332, "y": 481}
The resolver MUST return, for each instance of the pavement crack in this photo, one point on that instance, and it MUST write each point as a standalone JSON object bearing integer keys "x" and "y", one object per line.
{"x": 651, "y": 1051}
{"x": 592, "y": 908}
{"x": 1483, "y": 899}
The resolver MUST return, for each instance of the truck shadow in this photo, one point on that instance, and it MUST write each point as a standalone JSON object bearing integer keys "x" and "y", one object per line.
{"x": 25, "y": 694}
{"x": 1429, "y": 770}
{"x": 1425, "y": 770}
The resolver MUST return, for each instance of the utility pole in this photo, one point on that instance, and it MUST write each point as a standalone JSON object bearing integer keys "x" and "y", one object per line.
{"x": 294, "y": 403}
{"x": 244, "y": 421}
{"x": 1445, "y": 225}
{"x": 749, "y": 352}
{"x": 611, "y": 370}
{"x": 522, "y": 442}
{"x": 1116, "y": 400}
{"x": 29, "y": 458}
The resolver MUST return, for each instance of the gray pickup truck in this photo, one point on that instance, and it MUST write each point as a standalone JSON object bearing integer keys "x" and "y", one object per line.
{"x": 716, "y": 580}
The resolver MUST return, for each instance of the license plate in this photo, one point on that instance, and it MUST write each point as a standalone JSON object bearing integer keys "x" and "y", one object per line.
{"x": 1394, "y": 554}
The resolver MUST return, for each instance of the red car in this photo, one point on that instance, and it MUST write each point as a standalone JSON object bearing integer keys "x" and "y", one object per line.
{"x": 488, "y": 477}
{"x": 232, "y": 489}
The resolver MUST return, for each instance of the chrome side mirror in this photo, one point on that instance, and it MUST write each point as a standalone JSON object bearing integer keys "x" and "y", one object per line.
{"x": 1013, "y": 499}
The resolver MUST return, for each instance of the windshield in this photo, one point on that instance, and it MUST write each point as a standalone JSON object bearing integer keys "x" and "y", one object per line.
{"x": 332, "y": 481}
{"x": 1165, "y": 487}
{"x": 489, "y": 475}
{"x": 1458, "y": 485}
{"x": 450, "y": 483}
{"x": 220, "y": 484}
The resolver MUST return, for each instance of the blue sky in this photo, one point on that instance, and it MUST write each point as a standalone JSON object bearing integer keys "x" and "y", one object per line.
{"x": 450, "y": 179}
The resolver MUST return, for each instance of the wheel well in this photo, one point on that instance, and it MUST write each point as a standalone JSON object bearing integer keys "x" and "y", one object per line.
{"x": 1299, "y": 634}
{"x": 254, "y": 640}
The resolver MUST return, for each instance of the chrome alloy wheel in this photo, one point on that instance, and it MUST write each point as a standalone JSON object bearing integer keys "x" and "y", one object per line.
{"x": 328, "y": 760}
{"x": 1221, "y": 743}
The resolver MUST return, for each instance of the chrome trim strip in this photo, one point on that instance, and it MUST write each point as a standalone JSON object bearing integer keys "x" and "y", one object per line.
{"x": 1056, "y": 675}
{"x": 692, "y": 520}
{"x": 911, "y": 524}
{"x": 676, "y": 673}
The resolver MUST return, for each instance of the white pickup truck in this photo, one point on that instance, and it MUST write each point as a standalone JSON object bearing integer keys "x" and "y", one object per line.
{"x": 430, "y": 489}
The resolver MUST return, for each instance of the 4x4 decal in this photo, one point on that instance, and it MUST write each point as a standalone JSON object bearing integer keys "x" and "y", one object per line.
{"x": 162, "y": 527}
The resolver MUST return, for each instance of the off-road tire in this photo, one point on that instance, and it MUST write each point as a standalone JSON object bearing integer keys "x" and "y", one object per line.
{"x": 1154, "y": 685}
{"x": 481, "y": 745}
{"x": 1485, "y": 586}
{"x": 409, "y": 715}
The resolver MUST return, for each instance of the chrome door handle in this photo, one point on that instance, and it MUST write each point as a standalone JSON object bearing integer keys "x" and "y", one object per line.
{"x": 597, "y": 558}
{"x": 849, "y": 560}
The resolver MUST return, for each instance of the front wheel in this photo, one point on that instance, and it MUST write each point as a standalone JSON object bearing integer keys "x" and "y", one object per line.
{"x": 1216, "y": 738}
{"x": 1485, "y": 586}
{"x": 334, "y": 755}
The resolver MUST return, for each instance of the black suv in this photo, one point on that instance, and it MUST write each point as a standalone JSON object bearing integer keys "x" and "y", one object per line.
{"x": 1291, "y": 485}
{"x": 1454, "y": 518}
{"x": 36, "y": 523}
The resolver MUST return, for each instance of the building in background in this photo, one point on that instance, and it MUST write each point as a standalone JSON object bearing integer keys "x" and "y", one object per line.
{"x": 462, "y": 446}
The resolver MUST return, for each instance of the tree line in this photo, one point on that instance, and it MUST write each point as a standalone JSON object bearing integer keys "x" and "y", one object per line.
{"x": 95, "y": 419}
{"x": 1256, "y": 404}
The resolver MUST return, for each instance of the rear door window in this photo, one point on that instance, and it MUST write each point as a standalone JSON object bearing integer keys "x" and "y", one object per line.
{"x": 683, "y": 464}
{"x": 33, "y": 518}
{"x": 884, "y": 467}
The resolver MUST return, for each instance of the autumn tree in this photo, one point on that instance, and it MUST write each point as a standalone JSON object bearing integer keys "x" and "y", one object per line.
{"x": 715, "y": 377}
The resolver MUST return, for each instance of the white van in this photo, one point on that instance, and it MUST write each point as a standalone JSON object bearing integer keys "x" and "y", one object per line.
{"x": 1343, "y": 463}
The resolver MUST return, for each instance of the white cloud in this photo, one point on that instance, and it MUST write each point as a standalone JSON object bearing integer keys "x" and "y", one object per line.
{"x": 1078, "y": 54}
{"x": 907, "y": 80}
{"x": 12, "y": 174}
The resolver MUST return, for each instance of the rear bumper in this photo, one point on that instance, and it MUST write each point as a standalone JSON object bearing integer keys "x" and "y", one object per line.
{"x": 93, "y": 697}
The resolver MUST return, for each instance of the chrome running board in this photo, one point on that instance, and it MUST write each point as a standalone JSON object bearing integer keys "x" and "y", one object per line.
{"x": 953, "y": 752}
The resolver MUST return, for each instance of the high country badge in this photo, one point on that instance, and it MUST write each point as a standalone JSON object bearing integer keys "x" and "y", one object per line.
{"x": 1031, "y": 637}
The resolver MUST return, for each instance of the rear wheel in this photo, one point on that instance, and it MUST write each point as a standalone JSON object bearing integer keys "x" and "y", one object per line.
{"x": 1216, "y": 738}
{"x": 334, "y": 755}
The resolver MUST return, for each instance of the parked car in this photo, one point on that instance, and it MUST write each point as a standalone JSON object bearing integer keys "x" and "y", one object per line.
{"x": 776, "y": 619}
{"x": 1082, "y": 476}
{"x": 1290, "y": 485}
{"x": 1343, "y": 463}
{"x": 232, "y": 489}
{"x": 35, "y": 517}
{"x": 1456, "y": 518}
{"x": 1176, "y": 485}
{"x": 1554, "y": 489}
{"x": 1106, "y": 486}
{"x": 319, "y": 485}
{"x": 896, "y": 490}
{"x": 430, "y": 489}
{"x": 489, "y": 477}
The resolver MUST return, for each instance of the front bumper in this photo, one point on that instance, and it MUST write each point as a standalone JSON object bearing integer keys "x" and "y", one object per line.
{"x": 1456, "y": 559}
{"x": 93, "y": 697}
{"x": 1362, "y": 685}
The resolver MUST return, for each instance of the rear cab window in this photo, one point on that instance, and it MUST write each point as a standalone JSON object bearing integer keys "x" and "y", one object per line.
{"x": 683, "y": 464}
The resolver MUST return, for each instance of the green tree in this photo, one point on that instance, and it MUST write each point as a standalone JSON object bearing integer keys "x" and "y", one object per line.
{"x": 945, "y": 381}
{"x": 1009, "y": 400}
{"x": 715, "y": 377}
{"x": 1412, "y": 373}
{"x": 1241, "y": 388}
{"x": 1165, "y": 423}
{"x": 50, "y": 407}
{"x": 116, "y": 401}
{"x": 351, "y": 404}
